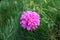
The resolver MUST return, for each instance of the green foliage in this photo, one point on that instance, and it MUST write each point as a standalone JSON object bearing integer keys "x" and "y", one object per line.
{"x": 11, "y": 10}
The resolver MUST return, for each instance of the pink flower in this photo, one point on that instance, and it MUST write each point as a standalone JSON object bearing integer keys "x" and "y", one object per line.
{"x": 30, "y": 20}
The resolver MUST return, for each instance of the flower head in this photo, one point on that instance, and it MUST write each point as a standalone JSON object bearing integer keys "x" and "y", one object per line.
{"x": 30, "y": 20}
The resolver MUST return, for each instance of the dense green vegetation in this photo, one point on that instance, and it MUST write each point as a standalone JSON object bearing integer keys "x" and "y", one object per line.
{"x": 11, "y": 10}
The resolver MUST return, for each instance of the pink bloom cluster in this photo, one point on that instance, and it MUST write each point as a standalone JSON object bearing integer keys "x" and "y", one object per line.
{"x": 30, "y": 20}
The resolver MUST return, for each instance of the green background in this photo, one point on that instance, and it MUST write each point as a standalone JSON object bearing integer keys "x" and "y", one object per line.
{"x": 11, "y": 10}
